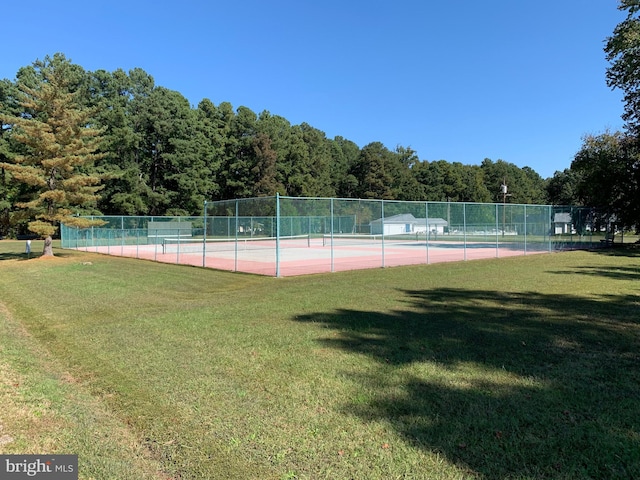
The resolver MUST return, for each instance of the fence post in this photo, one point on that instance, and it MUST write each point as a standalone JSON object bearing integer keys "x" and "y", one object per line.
{"x": 464, "y": 227}
{"x": 525, "y": 229}
{"x": 497, "y": 232}
{"x": 204, "y": 236}
{"x": 235, "y": 235}
{"x": 122, "y": 236}
{"x": 426, "y": 233}
{"x": 382, "y": 225}
{"x": 550, "y": 229}
{"x": 332, "y": 226}
{"x": 277, "y": 235}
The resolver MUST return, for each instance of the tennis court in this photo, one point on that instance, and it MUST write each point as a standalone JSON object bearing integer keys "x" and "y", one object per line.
{"x": 302, "y": 256}
{"x": 284, "y": 236}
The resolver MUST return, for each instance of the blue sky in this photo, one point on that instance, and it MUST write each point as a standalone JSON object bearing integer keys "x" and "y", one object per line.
{"x": 461, "y": 81}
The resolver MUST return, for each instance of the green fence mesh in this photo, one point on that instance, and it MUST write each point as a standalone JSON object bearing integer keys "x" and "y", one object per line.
{"x": 290, "y": 236}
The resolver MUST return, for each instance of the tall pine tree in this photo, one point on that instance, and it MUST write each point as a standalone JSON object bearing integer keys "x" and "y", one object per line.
{"x": 60, "y": 146}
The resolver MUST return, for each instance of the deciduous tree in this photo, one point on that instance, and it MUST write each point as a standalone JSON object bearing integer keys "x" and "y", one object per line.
{"x": 624, "y": 71}
{"x": 562, "y": 188}
{"x": 608, "y": 166}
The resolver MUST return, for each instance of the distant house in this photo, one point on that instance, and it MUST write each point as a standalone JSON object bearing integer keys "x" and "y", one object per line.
{"x": 562, "y": 223}
{"x": 406, "y": 223}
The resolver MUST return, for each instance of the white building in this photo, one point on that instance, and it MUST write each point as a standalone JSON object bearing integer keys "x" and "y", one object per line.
{"x": 406, "y": 223}
{"x": 562, "y": 223}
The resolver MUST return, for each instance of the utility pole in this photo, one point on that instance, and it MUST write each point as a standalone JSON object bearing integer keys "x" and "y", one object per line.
{"x": 503, "y": 190}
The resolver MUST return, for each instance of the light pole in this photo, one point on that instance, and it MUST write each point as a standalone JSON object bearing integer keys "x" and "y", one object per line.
{"x": 503, "y": 192}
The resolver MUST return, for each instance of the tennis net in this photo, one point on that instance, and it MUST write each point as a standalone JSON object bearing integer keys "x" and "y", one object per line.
{"x": 173, "y": 245}
{"x": 369, "y": 239}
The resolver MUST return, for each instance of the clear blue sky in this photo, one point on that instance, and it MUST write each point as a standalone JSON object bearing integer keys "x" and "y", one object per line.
{"x": 461, "y": 81}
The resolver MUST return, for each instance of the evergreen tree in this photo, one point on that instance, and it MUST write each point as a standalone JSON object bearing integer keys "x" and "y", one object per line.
{"x": 373, "y": 172}
{"x": 474, "y": 189}
{"x": 9, "y": 191}
{"x": 239, "y": 154}
{"x": 264, "y": 170}
{"x": 441, "y": 180}
{"x": 316, "y": 169}
{"x": 405, "y": 184}
{"x": 117, "y": 99}
{"x": 525, "y": 185}
{"x": 59, "y": 146}
{"x": 344, "y": 154}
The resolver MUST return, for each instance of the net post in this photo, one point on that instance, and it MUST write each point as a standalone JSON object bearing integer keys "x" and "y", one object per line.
{"x": 155, "y": 242}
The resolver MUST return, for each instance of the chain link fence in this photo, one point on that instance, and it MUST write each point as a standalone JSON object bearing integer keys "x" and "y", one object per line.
{"x": 283, "y": 236}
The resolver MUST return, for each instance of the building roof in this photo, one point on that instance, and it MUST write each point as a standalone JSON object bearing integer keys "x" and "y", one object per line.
{"x": 404, "y": 218}
{"x": 562, "y": 217}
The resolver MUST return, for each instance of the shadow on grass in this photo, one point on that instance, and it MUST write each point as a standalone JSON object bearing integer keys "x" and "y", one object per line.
{"x": 15, "y": 250}
{"x": 611, "y": 273}
{"x": 507, "y": 385}
{"x": 621, "y": 250}
{"x": 25, "y": 257}
{"x": 16, "y": 256}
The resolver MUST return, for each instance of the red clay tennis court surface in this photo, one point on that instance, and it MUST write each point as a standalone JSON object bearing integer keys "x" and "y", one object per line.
{"x": 309, "y": 256}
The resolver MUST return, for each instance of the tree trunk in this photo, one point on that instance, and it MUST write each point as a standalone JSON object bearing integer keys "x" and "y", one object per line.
{"x": 48, "y": 249}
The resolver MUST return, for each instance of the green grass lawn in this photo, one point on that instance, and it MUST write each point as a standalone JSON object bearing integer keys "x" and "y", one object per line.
{"x": 524, "y": 367}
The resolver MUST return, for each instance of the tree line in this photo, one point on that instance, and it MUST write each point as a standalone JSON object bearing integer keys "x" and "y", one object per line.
{"x": 161, "y": 156}
{"x": 155, "y": 154}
